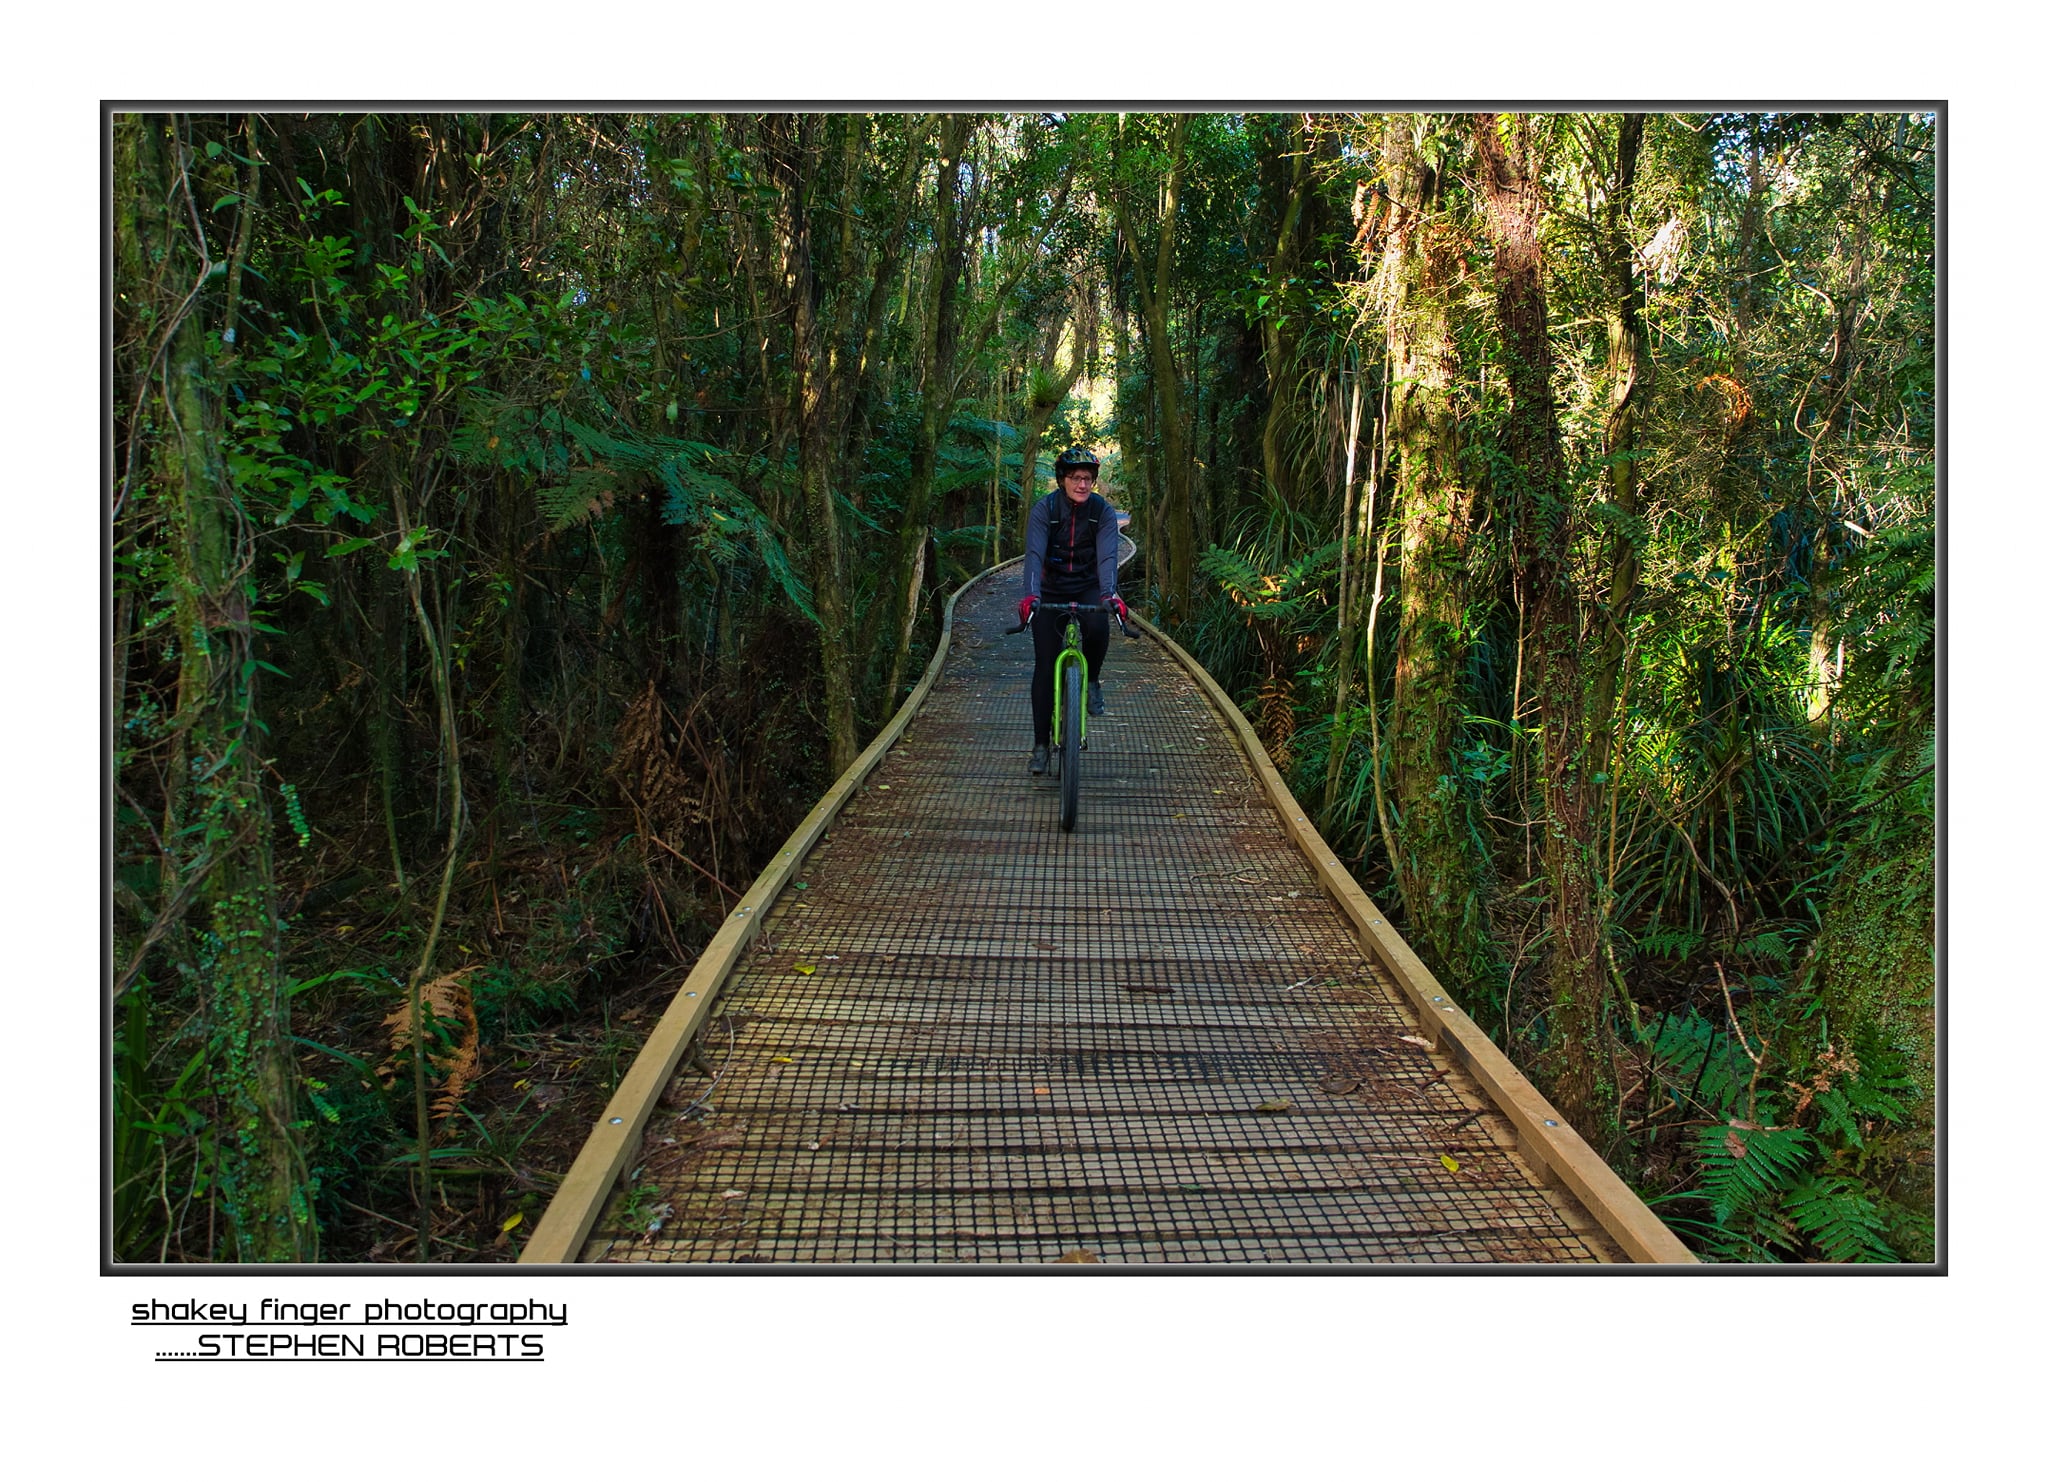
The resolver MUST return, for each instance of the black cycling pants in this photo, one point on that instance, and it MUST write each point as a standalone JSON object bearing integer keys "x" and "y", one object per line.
{"x": 1048, "y": 632}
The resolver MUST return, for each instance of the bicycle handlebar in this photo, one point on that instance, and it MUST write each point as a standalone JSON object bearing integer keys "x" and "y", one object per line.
{"x": 1077, "y": 607}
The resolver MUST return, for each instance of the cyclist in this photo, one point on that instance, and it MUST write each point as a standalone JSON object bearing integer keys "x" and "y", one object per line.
{"x": 1069, "y": 556}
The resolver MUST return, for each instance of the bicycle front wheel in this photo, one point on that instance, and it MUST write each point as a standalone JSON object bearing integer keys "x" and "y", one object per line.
{"x": 1072, "y": 698}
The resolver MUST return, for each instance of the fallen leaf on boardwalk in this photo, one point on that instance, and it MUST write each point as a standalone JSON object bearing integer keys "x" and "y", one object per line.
{"x": 807, "y": 968}
{"x": 1274, "y": 1108}
{"x": 1450, "y": 1164}
{"x": 1041, "y": 1090}
{"x": 734, "y": 1194}
{"x": 1414, "y": 1040}
{"x": 882, "y": 787}
{"x": 1079, "y": 1258}
{"x": 513, "y": 1223}
{"x": 783, "y": 1060}
{"x": 1338, "y": 1085}
{"x": 1148, "y": 988}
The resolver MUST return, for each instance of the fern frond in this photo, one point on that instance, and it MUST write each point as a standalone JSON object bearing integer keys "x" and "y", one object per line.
{"x": 583, "y": 496}
{"x": 448, "y": 1013}
{"x": 721, "y": 516}
{"x": 1840, "y": 1220}
{"x": 1701, "y": 1063}
{"x": 1742, "y": 1168}
{"x": 1674, "y": 943}
{"x": 968, "y": 424}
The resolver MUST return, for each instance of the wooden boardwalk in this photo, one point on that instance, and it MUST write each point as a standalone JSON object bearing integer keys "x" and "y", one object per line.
{"x": 962, "y": 1035}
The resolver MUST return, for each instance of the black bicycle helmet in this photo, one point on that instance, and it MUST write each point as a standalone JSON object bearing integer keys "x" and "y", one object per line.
{"x": 1074, "y": 458}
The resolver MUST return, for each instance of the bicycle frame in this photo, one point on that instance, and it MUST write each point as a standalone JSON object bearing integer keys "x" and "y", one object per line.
{"x": 1070, "y": 653}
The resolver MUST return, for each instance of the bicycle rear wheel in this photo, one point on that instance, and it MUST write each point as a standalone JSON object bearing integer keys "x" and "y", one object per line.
{"x": 1072, "y": 698}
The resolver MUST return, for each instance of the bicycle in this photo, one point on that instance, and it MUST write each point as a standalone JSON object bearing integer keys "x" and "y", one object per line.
{"x": 1070, "y": 700}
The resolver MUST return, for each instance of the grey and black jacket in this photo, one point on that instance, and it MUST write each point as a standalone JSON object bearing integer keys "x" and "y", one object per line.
{"x": 1070, "y": 549}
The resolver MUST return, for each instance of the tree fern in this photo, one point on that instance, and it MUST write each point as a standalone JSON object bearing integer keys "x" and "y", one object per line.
{"x": 582, "y": 496}
{"x": 591, "y": 467}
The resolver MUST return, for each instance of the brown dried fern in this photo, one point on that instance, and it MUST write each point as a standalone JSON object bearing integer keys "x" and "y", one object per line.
{"x": 647, "y": 768}
{"x": 445, "y": 1000}
{"x": 1276, "y": 720}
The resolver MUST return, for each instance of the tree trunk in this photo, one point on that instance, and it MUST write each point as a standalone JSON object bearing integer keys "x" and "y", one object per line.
{"x": 1048, "y": 388}
{"x": 1629, "y": 375}
{"x": 1154, "y": 298}
{"x": 262, "y": 1177}
{"x": 937, "y": 346}
{"x": 1353, "y": 533}
{"x": 1578, "y": 1046}
{"x": 1439, "y": 874}
{"x": 791, "y": 149}
{"x": 1279, "y": 330}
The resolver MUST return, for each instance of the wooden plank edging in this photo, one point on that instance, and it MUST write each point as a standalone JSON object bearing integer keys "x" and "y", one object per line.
{"x": 615, "y": 1140}
{"x": 1547, "y": 1141}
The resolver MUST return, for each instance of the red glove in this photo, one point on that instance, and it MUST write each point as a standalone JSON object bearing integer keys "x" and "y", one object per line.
{"x": 1116, "y": 605}
{"x": 1025, "y": 607}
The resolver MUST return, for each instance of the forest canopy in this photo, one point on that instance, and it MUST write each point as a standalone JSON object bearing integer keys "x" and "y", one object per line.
{"x": 517, "y": 522}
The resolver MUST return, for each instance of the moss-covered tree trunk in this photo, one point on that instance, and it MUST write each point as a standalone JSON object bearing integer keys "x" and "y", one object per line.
{"x": 1436, "y": 866}
{"x": 792, "y": 159}
{"x": 1155, "y": 298}
{"x": 1578, "y": 1045}
{"x": 1875, "y": 955}
{"x": 1439, "y": 872}
{"x": 1629, "y": 372}
{"x": 1279, "y": 327}
{"x": 220, "y": 815}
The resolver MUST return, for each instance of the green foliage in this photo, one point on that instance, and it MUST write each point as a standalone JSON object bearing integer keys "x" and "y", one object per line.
{"x": 295, "y": 813}
{"x": 1700, "y": 1066}
{"x": 588, "y": 469}
{"x": 1743, "y": 1165}
{"x": 1835, "y": 1214}
{"x": 1285, "y": 597}
{"x": 510, "y": 1002}
{"x": 1787, "y": 1191}
{"x": 1876, "y": 1094}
